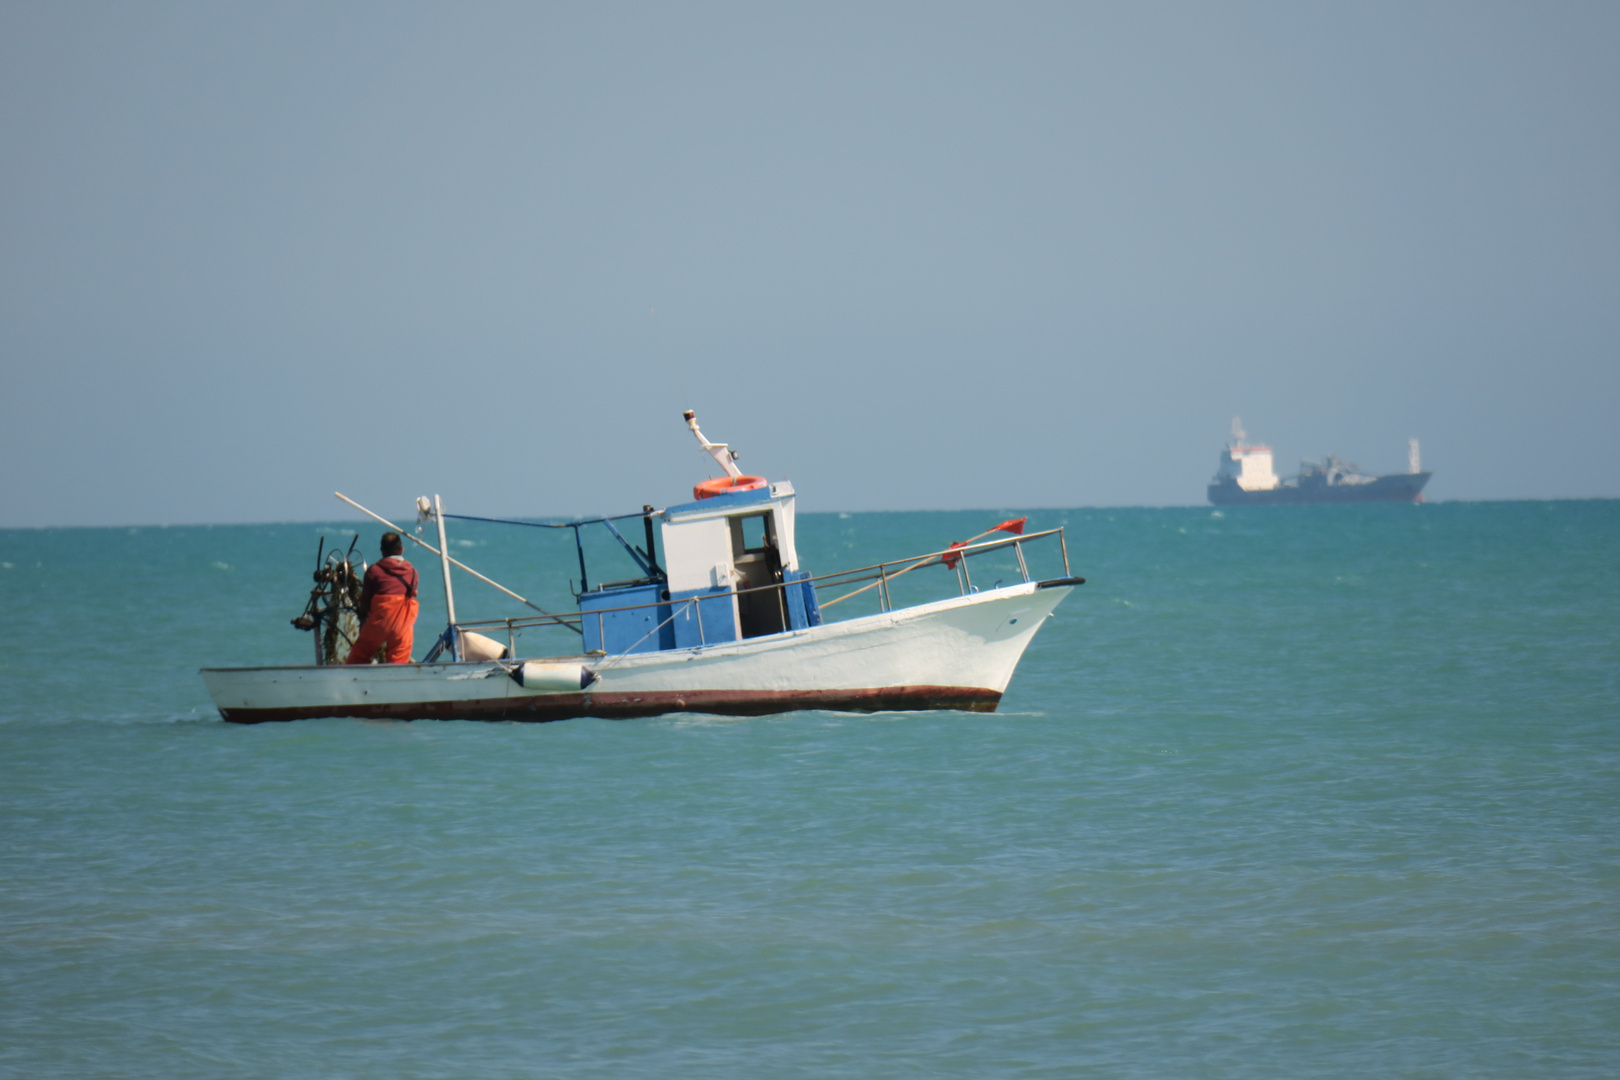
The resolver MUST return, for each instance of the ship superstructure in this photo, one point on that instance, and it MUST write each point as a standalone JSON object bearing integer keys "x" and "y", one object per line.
{"x": 1244, "y": 466}
{"x": 1245, "y": 475}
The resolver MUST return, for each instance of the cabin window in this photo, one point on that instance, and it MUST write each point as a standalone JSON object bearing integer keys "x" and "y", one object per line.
{"x": 751, "y": 534}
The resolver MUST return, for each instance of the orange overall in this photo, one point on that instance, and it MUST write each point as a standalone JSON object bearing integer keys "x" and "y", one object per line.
{"x": 387, "y": 612}
{"x": 392, "y": 622}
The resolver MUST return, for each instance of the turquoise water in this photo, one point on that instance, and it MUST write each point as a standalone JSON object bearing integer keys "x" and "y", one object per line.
{"x": 1295, "y": 791}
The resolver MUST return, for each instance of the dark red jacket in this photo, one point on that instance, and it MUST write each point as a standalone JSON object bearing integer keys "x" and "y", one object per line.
{"x": 392, "y": 576}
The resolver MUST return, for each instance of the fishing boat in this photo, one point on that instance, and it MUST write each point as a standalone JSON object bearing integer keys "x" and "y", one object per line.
{"x": 721, "y": 619}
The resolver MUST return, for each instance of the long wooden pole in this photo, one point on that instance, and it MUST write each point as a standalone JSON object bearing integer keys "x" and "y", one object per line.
{"x": 423, "y": 543}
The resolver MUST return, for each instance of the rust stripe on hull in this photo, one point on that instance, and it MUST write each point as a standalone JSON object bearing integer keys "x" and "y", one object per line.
{"x": 546, "y": 707}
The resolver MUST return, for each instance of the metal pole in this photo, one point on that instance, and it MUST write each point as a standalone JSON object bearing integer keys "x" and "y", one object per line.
{"x": 579, "y": 545}
{"x": 449, "y": 594}
{"x": 1018, "y": 549}
{"x": 1064, "y": 544}
{"x": 652, "y": 548}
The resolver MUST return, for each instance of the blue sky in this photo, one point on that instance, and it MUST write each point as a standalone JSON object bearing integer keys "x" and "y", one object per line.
{"x": 906, "y": 255}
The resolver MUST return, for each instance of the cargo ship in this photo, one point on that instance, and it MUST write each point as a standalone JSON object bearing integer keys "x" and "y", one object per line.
{"x": 1245, "y": 477}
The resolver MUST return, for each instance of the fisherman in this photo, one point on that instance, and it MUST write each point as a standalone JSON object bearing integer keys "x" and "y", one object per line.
{"x": 387, "y": 607}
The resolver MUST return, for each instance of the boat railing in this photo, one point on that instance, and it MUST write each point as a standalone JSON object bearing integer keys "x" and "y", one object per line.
{"x": 881, "y": 575}
{"x": 877, "y": 576}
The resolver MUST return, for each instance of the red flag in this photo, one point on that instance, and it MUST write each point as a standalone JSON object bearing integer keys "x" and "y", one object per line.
{"x": 1015, "y": 526}
{"x": 950, "y": 560}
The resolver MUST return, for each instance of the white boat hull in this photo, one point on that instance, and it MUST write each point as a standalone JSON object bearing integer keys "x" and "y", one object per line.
{"x": 951, "y": 654}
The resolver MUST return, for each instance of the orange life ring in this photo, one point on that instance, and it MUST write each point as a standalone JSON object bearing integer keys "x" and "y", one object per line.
{"x": 723, "y": 485}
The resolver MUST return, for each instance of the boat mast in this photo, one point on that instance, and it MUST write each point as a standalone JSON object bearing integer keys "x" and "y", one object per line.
{"x": 449, "y": 595}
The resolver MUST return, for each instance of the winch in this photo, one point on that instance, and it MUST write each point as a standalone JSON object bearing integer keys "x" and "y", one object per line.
{"x": 333, "y": 608}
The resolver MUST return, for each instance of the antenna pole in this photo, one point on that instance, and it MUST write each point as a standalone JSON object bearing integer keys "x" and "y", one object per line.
{"x": 722, "y": 454}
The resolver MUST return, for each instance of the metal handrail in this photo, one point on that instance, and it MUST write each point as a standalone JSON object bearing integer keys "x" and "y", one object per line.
{"x": 975, "y": 549}
{"x": 958, "y": 554}
{"x": 879, "y": 572}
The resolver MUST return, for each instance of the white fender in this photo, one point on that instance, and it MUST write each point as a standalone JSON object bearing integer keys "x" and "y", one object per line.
{"x": 553, "y": 678}
{"x": 478, "y": 647}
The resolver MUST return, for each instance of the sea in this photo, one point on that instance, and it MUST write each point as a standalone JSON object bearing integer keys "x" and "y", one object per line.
{"x": 1314, "y": 791}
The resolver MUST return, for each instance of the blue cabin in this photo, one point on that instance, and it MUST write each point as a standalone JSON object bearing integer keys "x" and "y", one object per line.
{"x": 728, "y": 571}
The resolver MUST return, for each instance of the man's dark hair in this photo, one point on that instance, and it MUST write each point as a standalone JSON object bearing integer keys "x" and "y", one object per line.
{"x": 392, "y": 544}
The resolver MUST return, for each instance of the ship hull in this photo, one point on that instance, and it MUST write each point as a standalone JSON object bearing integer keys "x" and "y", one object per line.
{"x": 1397, "y": 488}
{"x": 952, "y": 654}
